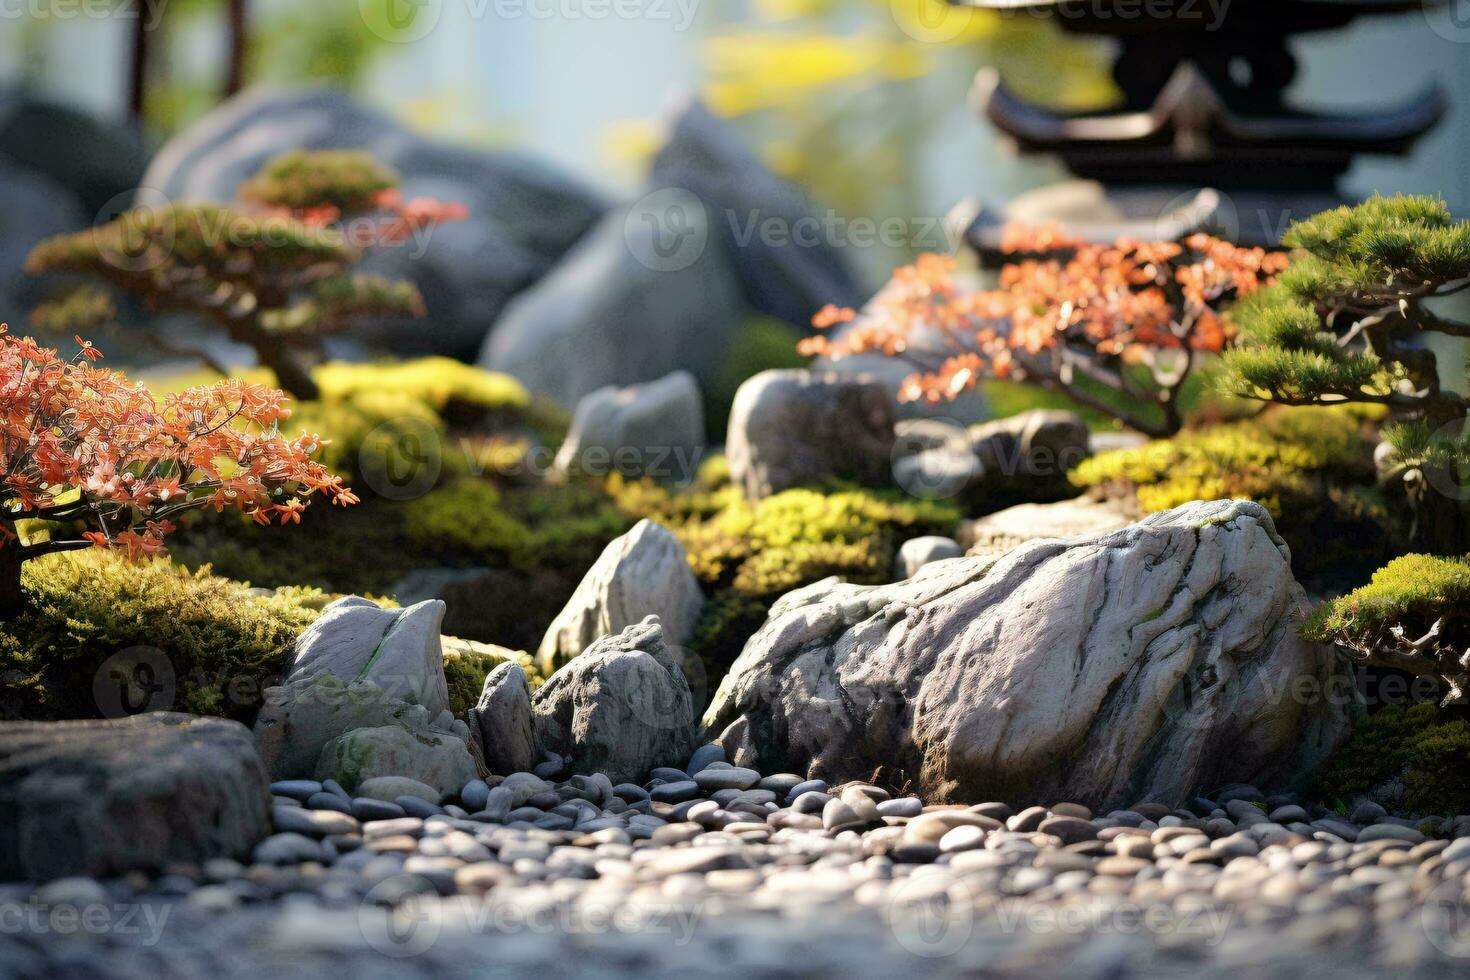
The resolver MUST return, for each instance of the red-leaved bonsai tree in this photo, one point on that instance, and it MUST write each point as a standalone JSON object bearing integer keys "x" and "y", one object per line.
{"x": 89, "y": 459}
{"x": 1070, "y": 316}
{"x": 276, "y": 271}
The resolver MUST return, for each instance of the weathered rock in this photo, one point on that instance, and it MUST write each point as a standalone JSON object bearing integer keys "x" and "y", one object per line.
{"x": 643, "y": 573}
{"x": 789, "y": 277}
{"x": 997, "y": 533}
{"x": 1141, "y": 664}
{"x": 103, "y": 798}
{"x": 793, "y": 427}
{"x": 523, "y": 214}
{"x": 438, "y": 759}
{"x": 1023, "y": 458}
{"x": 397, "y": 649}
{"x": 620, "y": 708}
{"x": 94, "y": 160}
{"x": 915, "y": 553}
{"x": 611, "y": 313}
{"x": 501, "y": 721}
{"x": 301, "y": 717}
{"x": 654, "y": 429}
{"x": 35, "y": 207}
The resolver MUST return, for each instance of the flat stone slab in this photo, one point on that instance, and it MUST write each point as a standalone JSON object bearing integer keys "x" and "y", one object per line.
{"x": 106, "y": 797}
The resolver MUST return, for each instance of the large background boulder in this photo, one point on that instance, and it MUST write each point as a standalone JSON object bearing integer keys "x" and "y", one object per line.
{"x": 103, "y": 798}
{"x": 614, "y": 312}
{"x": 1142, "y": 664}
{"x": 789, "y": 428}
{"x": 621, "y": 708}
{"x": 790, "y": 275}
{"x": 643, "y": 573}
{"x": 523, "y": 214}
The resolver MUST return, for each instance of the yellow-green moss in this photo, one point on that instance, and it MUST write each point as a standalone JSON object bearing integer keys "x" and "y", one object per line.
{"x": 747, "y": 554}
{"x": 221, "y": 644}
{"x": 395, "y": 417}
{"x": 1312, "y": 468}
{"x": 467, "y": 664}
{"x": 1413, "y": 589}
{"x": 1420, "y": 747}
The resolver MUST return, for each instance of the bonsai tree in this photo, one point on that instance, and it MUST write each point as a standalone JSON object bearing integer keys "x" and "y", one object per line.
{"x": 89, "y": 459}
{"x": 1348, "y": 323}
{"x": 1071, "y": 316}
{"x": 1414, "y": 616}
{"x": 275, "y": 273}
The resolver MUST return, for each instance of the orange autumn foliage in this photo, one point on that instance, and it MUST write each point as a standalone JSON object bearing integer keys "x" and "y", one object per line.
{"x": 86, "y": 448}
{"x": 1127, "y": 316}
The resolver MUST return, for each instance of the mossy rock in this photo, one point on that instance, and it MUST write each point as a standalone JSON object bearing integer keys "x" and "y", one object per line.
{"x": 183, "y": 641}
{"x": 1415, "y": 757}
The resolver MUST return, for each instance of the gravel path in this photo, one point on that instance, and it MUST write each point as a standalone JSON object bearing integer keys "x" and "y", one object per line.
{"x": 719, "y": 871}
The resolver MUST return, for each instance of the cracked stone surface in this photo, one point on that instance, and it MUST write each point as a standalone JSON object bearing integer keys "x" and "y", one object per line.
{"x": 1138, "y": 664}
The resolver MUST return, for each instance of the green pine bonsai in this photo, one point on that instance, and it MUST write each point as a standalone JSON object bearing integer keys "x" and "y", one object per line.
{"x": 276, "y": 272}
{"x": 1348, "y": 321}
{"x": 1414, "y": 616}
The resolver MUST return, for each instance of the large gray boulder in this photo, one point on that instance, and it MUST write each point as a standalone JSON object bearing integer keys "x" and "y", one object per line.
{"x": 792, "y": 427}
{"x": 789, "y": 275}
{"x": 523, "y": 214}
{"x": 654, "y": 429}
{"x": 500, "y": 722}
{"x": 614, "y": 313}
{"x": 94, "y": 159}
{"x": 399, "y": 650}
{"x": 1147, "y": 663}
{"x": 621, "y": 708}
{"x": 103, "y": 798}
{"x": 643, "y": 573}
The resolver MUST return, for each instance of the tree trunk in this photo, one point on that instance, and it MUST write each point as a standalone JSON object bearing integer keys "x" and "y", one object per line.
{"x": 138, "y": 69}
{"x": 291, "y": 374}
{"x": 10, "y": 594}
{"x": 235, "y": 65}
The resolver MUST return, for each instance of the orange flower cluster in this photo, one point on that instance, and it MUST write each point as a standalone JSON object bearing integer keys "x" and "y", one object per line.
{"x": 1065, "y": 310}
{"x": 400, "y": 219}
{"x": 82, "y": 445}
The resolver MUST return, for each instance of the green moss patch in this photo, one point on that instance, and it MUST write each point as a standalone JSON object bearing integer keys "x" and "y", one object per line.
{"x": 205, "y": 644}
{"x": 1312, "y": 468}
{"x": 1419, "y": 747}
{"x": 747, "y": 554}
